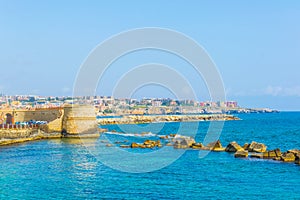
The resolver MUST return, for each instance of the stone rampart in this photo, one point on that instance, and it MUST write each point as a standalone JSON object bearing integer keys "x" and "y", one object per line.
{"x": 27, "y": 115}
{"x": 79, "y": 119}
{"x": 69, "y": 121}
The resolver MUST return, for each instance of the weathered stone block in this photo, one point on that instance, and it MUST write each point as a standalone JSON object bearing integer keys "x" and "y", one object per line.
{"x": 216, "y": 146}
{"x": 233, "y": 147}
{"x": 257, "y": 147}
{"x": 241, "y": 154}
{"x": 257, "y": 155}
{"x": 288, "y": 157}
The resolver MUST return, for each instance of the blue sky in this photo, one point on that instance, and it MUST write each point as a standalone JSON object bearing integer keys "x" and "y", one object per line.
{"x": 255, "y": 44}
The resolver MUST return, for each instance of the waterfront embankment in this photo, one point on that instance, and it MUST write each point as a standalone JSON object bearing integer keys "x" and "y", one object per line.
{"x": 141, "y": 119}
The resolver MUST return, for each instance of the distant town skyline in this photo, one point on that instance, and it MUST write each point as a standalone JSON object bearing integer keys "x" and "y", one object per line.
{"x": 108, "y": 105}
{"x": 255, "y": 46}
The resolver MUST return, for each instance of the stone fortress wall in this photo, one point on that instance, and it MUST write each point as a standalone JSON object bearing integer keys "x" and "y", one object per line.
{"x": 26, "y": 115}
{"x": 79, "y": 120}
{"x": 69, "y": 120}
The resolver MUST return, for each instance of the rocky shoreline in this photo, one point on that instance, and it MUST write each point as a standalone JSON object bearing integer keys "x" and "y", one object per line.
{"x": 141, "y": 119}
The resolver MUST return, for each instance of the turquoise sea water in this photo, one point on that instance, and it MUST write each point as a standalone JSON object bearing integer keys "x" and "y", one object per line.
{"x": 64, "y": 169}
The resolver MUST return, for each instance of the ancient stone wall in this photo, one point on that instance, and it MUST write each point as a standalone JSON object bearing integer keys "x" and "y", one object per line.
{"x": 27, "y": 115}
{"x": 44, "y": 115}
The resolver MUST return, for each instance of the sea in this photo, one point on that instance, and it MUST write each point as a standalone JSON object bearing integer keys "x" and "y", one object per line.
{"x": 77, "y": 169}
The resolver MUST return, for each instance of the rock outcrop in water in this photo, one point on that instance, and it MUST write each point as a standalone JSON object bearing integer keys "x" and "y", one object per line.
{"x": 297, "y": 159}
{"x": 294, "y": 151}
{"x": 256, "y": 150}
{"x": 134, "y": 145}
{"x": 183, "y": 142}
{"x": 146, "y": 144}
{"x": 276, "y": 154}
{"x": 273, "y": 154}
{"x": 216, "y": 146}
{"x": 288, "y": 157}
{"x": 257, "y": 147}
{"x": 241, "y": 154}
{"x": 246, "y": 146}
{"x": 233, "y": 147}
{"x": 198, "y": 146}
{"x": 256, "y": 155}
{"x": 152, "y": 143}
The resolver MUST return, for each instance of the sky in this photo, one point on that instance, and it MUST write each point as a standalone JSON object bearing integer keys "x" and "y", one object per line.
{"x": 254, "y": 44}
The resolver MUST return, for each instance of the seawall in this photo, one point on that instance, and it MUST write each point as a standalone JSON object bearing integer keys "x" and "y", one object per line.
{"x": 140, "y": 119}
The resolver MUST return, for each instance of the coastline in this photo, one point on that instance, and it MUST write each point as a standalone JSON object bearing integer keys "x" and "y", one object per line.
{"x": 13, "y": 136}
{"x": 251, "y": 150}
{"x": 143, "y": 119}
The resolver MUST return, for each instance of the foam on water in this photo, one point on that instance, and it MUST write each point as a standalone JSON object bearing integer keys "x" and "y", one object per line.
{"x": 144, "y": 135}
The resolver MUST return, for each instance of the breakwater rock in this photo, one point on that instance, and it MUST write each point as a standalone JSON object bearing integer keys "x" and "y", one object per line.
{"x": 183, "y": 142}
{"x": 256, "y": 147}
{"x": 233, "y": 147}
{"x": 146, "y": 144}
{"x": 139, "y": 119}
{"x": 215, "y": 146}
{"x": 253, "y": 150}
{"x": 241, "y": 154}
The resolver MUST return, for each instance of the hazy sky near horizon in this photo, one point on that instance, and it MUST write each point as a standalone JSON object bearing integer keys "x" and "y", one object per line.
{"x": 254, "y": 44}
